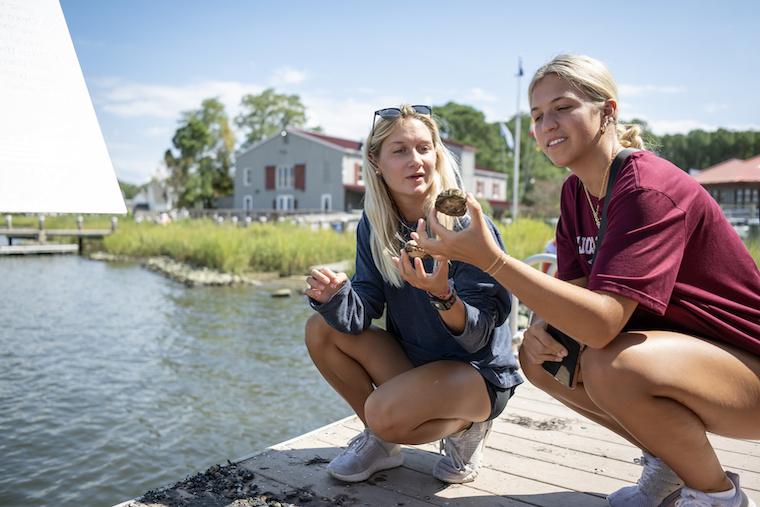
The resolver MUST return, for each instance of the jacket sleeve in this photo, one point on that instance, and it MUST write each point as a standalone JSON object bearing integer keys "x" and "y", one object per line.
{"x": 487, "y": 304}
{"x": 352, "y": 309}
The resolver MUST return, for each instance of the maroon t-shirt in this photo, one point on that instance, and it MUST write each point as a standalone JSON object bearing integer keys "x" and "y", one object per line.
{"x": 667, "y": 247}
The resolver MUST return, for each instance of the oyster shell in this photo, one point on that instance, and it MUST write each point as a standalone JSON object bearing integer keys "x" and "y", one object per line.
{"x": 413, "y": 250}
{"x": 452, "y": 202}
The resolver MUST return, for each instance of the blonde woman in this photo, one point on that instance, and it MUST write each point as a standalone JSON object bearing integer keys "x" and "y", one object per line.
{"x": 668, "y": 304}
{"x": 443, "y": 368}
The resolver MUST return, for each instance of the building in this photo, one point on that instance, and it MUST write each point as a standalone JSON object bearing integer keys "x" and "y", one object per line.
{"x": 154, "y": 196}
{"x": 310, "y": 171}
{"x": 735, "y": 185}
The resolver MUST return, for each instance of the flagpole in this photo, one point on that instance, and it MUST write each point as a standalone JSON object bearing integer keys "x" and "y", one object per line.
{"x": 516, "y": 170}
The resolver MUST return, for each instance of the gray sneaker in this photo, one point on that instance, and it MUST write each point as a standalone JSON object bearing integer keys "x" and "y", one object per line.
{"x": 693, "y": 498}
{"x": 462, "y": 453}
{"x": 658, "y": 486}
{"x": 364, "y": 455}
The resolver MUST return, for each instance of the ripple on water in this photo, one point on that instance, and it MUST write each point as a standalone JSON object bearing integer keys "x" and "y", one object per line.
{"x": 114, "y": 380}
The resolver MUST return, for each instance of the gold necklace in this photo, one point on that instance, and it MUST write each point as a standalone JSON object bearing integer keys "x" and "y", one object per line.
{"x": 595, "y": 210}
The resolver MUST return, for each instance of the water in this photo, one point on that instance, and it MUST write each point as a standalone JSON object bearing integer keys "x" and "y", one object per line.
{"x": 114, "y": 380}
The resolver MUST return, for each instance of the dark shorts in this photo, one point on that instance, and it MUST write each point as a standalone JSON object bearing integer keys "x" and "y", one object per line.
{"x": 499, "y": 397}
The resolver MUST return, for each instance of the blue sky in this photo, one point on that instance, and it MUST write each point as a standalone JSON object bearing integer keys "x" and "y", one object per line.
{"x": 680, "y": 65}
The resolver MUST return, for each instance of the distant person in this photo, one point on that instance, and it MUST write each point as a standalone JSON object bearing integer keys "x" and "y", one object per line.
{"x": 443, "y": 369}
{"x": 669, "y": 310}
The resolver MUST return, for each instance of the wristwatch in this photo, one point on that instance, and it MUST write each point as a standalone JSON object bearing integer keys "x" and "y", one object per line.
{"x": 446, "y": 302}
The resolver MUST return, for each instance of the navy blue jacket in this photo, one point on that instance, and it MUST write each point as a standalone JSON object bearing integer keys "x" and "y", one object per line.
{"x": 485, "y": 342}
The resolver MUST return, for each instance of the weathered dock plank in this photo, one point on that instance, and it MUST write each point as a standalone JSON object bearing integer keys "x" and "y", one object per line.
{"x": 540, "y": 453}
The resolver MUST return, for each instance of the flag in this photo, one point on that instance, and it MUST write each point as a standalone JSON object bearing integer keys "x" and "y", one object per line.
{"x": 519, "y": 68}
{"x": 505, "y": 132}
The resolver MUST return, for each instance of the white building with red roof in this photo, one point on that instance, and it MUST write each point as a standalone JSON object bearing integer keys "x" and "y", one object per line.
{"x": 310, "y": 171}
{"x": 735, "y": 184}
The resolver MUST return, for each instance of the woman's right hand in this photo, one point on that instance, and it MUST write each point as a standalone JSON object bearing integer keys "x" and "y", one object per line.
{"x": 474, "y": 245}
{"x": 324, "y": 283}
{"x": 539, "y": 346}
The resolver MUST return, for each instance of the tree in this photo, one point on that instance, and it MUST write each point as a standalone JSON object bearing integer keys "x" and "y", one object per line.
{"x": 128, "y": 190}
{"x": 200, "y": 170}
{"x": 467, "y": 125}
{"x": 268, "y": 113}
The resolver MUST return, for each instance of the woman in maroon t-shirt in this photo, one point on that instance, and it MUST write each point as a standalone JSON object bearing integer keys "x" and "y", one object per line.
{"x": 669, "y": 309}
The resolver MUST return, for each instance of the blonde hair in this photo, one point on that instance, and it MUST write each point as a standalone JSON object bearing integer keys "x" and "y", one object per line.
{"x": 593, "y": 79}
{"x": 384, "y": 217}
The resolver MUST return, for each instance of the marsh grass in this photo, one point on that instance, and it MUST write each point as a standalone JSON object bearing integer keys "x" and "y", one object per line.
{"x": 284, "y": 248}
{"x": 525, "y": 237}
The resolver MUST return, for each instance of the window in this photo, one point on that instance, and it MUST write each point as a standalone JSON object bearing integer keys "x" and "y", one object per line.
{"x": 246, "y": 177}
{"x": 285, "y": 203}
{"x": 284, "y": 177}
{"x": 248, "y": 202}
{"x": 754, "y": 195}
{"x": 326, "y": 202}
{"x": 495, "y": 190}
{"x": 479, "y": 188}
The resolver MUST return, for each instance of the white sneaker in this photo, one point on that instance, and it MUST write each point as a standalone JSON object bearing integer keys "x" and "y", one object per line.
{"x": 658, "y": 486}
{"x": 364, "y": 455}
{"x": 693, "y": 498}
{"x": 462, "y": 453}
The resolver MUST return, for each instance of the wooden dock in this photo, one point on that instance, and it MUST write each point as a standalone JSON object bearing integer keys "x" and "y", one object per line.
{"x": 540, "y": 453}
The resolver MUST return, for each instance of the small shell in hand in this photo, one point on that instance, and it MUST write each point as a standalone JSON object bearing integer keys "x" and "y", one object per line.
{"x": 452, "y": 202}
{"x": 413, "y": 250}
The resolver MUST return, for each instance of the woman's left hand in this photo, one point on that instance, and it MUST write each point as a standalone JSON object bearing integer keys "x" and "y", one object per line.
{"x": 435, "y": 283}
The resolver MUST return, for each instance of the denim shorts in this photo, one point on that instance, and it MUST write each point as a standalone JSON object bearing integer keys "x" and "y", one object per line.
{"x": 499, "y": 397}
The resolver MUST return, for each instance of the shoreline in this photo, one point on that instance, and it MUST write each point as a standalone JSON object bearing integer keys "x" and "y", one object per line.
{"x": 192, "y": 276}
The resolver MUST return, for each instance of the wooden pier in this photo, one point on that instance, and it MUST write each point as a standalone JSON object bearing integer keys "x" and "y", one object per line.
{"x": 540, "y": 453}
{"x": 40, "y": 236}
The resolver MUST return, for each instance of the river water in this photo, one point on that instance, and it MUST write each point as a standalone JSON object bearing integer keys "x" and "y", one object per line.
{"x": 115, "y": 380}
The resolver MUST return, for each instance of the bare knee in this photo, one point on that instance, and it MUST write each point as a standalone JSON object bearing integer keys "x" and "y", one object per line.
{"x": 382, "y": 417}
{"x": 317, "y": 334}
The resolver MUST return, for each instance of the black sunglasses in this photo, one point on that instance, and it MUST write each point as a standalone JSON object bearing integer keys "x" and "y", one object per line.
{"x": 394, "y": 112}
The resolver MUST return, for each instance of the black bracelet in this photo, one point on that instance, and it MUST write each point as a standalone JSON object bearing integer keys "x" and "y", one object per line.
{"x": 444, "y": 304}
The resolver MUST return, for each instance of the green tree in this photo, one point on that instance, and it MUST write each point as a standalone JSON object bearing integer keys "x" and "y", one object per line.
{"x": 129, "y": 190}
{"x": 268, "y": 113}
{"x": 467, "y": 125}
{"x": 199, "y": 171}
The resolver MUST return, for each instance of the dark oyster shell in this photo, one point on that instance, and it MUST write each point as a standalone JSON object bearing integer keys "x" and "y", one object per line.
{"x": 452, "y": 202}
{"x": 413, "y": 250}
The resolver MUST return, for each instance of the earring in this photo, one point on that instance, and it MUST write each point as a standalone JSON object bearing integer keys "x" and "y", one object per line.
{"x": 377, "y": 173}
{"x": 607, "y": 120}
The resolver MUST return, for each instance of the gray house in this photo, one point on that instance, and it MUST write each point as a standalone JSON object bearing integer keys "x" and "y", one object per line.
{"x": 309, "y": 171}
{"x": 300, "y": 170}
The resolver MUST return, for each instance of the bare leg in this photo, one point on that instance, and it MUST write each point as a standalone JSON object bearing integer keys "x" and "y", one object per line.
{"x": 576, "y": 399}
{"x": 410, "y": 405}
{"x": 668, "y": 389}
{"x": 354, "y": 364}
{"x": 428, "y": 403}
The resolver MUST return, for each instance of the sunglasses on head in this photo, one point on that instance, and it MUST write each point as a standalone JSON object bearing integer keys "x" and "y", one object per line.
{"x": 390, "y": 113}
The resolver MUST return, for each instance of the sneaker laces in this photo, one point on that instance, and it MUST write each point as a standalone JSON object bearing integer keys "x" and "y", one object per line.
{"x": 447, "y": 447}
{"x": 654, "y": 474}
{"x": 359, "y": 441}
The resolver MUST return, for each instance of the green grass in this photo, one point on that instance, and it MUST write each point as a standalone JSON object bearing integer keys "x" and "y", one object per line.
{"x": 526, "y": 236}
{"x": 284, "y": 248}
{"x": 754, "y": 249}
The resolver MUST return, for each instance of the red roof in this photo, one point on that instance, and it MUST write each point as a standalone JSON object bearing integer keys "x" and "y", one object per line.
{"x": 731, "y": 171}
{"x": 337, "y": 141}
